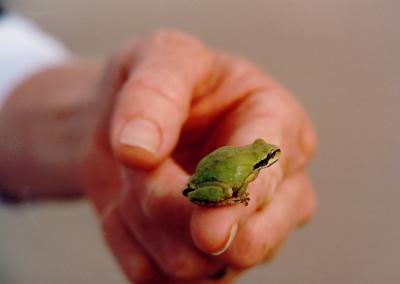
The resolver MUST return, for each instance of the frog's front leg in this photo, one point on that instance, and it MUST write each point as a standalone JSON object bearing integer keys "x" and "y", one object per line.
{"x": 243, "y": 193}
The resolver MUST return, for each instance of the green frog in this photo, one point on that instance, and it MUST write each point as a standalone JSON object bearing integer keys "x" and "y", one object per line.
{"x": 221, "y": 177}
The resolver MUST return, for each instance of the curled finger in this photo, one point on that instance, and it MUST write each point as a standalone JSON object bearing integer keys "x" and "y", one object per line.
{"x": 134, "y": 261}
{"x": 269, "y": 227}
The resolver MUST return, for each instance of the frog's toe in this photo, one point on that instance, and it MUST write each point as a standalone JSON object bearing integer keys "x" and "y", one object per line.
{"x": 245, "y": 199}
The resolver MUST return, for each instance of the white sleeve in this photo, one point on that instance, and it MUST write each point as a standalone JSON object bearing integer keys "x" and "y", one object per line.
{"x": 25, "y": 50}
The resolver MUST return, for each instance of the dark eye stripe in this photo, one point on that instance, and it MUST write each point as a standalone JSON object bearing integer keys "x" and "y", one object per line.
{"x": 263, "y": 162}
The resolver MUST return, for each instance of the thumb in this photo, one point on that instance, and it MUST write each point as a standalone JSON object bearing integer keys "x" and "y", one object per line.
{"x": 155, "y": 100}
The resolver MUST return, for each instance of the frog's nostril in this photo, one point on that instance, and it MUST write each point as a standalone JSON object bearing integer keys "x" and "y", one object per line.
{"x": 276, "y": 153}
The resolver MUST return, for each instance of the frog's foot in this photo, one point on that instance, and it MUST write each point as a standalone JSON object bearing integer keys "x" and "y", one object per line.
{"x": 236, "y": 200}
{"x": 246, "y": 199}
{"x": 226, "y": 202}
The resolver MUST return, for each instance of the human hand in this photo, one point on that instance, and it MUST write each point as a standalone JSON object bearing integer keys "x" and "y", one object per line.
{"x": 44, "y": 126}
{"x": 167, "y": 102}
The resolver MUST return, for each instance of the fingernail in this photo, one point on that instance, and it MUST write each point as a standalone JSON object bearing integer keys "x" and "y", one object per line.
{"x": 141, "y": 133}
{"x": 232, "y": 235}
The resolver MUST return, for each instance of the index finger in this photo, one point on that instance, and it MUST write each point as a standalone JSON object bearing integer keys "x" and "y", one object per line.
{"x": 154, "y": 102}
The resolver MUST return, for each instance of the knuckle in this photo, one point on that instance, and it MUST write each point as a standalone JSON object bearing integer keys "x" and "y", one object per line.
{"x": 136, "y": 266}
{"x": 140, "y": 272}
{"x": 243, "y": 76}
{"x": 308, "y": 207}
{"x": 177, "y": 265}
{"x": 307, "y": 137}
{"x": 293, "y": 117}
{"x": 272, "y": 253}
{"x": 309, "y": 140}
{"x": 175, "y": 37}
{"x": 174, "y": 268}
{"x": 108, "y": 220}
{"x": 153, "y": 200}
{"x": 254, "y": 247}
{"x": 165, "y": 94}
{"x": 249, "y": 250}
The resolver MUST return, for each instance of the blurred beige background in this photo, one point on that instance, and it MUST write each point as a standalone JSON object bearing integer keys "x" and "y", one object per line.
{"x": 340, "y": 58}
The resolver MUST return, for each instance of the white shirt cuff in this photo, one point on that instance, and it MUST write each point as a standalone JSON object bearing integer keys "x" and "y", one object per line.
{"x": 25, "y": 50}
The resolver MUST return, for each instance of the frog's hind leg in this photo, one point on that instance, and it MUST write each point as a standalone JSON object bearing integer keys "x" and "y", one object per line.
{"x": 207, "y": 194}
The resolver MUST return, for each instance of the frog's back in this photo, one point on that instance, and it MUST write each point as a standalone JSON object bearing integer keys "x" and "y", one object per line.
{"x": 226, "y": 164}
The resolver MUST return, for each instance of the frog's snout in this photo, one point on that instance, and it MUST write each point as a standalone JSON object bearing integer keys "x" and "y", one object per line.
{"x": 274, "y": 156}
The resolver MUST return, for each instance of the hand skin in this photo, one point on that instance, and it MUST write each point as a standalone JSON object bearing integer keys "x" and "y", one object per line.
{"x": 163, "y": 103}
{"x": 168, "y": 100}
